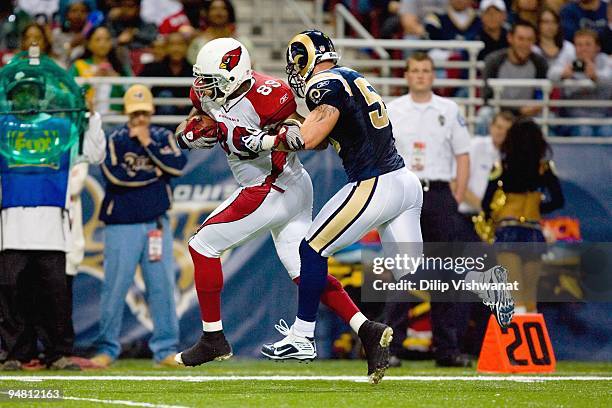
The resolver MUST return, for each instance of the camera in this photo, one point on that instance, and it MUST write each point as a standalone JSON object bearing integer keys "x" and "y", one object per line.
{"x": 578, "y": 65}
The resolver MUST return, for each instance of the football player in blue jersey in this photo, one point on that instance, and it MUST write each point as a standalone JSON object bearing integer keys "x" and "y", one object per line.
{"x": 381, "y": 193}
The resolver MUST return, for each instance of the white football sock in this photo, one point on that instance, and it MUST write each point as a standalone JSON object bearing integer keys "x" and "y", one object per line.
{"x": 356, "y": 321}
{"x": 212, "y": 326}
{"x": 303, "y": 328}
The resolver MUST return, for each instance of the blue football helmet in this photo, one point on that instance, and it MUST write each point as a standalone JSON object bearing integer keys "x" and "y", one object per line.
{"x": 306, "y": 50}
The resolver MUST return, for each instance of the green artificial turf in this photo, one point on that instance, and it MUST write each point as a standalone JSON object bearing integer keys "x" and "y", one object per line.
{"x": 531, "y": 392}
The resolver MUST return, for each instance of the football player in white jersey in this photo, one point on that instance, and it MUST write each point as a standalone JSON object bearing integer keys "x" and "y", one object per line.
{"x": 275, "y": 193}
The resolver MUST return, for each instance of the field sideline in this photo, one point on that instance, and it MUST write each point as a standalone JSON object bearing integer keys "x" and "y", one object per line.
{"x": 323, "y": 383}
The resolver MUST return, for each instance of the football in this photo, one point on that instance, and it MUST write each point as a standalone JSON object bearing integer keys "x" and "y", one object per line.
{"x": 199, "y": 122}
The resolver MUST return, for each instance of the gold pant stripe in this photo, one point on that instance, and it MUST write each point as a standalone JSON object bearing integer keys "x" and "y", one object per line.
{"x": 348, "y": 212}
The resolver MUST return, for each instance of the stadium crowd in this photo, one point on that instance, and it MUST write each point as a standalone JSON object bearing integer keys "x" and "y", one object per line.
{"x": 556, "y": 39}
{"x": 523, "y": 39}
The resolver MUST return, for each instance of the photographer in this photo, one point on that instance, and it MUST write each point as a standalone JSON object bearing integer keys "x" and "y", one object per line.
{"x": 591, "y": 64}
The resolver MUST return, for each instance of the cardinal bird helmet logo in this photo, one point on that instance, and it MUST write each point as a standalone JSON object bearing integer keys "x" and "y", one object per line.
{"x": 231, "y": 59}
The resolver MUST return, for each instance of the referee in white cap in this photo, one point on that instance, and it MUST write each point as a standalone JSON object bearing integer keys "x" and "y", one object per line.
{"x": 430, "y": 134}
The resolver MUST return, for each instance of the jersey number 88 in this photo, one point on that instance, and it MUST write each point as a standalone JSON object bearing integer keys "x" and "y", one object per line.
{"x": 378, "y": 117}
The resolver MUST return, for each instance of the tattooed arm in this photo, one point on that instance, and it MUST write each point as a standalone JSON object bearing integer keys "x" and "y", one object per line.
{"x": 318, "y": 124}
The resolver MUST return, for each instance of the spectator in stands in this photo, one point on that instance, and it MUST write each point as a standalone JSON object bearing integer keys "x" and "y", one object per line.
{"x": 195, "y": 10}
{"x": 100, "y": 59}
{"x": 69, "y": 38}
{"x": 179, "y": 21}
{"x": 127, "y": 27}
{"x": 551, "y": 43}
{"x": 35, "y": 33}
{"x": 141, "y": 160}
{"x": 156, "y": 11}
{"x": 484, "y": 153}
{"x": 492, "y": 32}
{"x": 8, "y": 34}
{"x": 42, "y": 12}
{"x": 591, "y": 64}
{"x": 11, "y": 30}
{"x": 526, "y": 10}
{"x": 583, "y": 14}
{"x": 555, "y": 5}
{"x": 221, "y": 22}
{"x": 158, "y": 48}
{"x": 413, "y": 12}
{"x": 606, "y": 35}
{"x": 173, "y": 65}
{"x": 518, "y": 62}
{"x": 459, "y": 22}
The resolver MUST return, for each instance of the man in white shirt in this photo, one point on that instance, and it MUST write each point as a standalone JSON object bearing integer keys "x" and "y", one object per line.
{"x": 484, "y": 152}
{"x": 430, "y": 134}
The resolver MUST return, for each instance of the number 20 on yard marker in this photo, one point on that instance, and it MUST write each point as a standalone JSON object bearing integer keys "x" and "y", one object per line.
{"x": 523, "y": 347}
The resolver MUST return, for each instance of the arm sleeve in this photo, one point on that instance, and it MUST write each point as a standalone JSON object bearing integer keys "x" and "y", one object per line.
{"x": 433, "y": 26}
{"x": 554, "y": 194}
{"x": 78, "y": 174}
{"x": 603, "y": 68}
{"x": 460, "y": 135}
{"x": 568, "y": 54}
{"x": 166, "y": 155}
{"x": 326, "y": 92}
{"x": 94, "y": 143}
{"x": 121, "y": 169}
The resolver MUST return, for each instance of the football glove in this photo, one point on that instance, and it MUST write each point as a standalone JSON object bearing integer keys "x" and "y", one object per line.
{"x": 257, "y": 140}
{"x": 194, "y": 136}
{"x": 288, "y": 136}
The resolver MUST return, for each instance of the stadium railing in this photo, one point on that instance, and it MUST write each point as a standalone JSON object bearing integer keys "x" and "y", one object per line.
{"x": 470, "y": 103}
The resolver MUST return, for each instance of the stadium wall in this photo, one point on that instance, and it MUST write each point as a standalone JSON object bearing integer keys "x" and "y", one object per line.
{"x": 257, "y": 291}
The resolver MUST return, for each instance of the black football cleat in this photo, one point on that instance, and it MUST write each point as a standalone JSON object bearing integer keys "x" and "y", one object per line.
{"x": 212, "y": 346}
{"x": 376, "y": 338}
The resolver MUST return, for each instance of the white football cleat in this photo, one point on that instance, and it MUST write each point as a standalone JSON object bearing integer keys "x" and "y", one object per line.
{"x": 500, "y": 302}
{"x": 291, "y": 347}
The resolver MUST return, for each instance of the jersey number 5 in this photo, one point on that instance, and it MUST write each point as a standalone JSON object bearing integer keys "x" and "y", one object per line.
{"x": 378, "y": 117}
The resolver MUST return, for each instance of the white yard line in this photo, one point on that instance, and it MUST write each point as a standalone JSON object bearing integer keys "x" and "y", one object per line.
{"x": 122, "y": 402}
{"x": 105, "y": 401}
{"x": 185, "y": 378}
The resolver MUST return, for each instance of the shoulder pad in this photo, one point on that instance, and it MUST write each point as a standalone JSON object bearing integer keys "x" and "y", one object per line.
{"x": 272, "y": 99}
{"x": 328, "y": 80}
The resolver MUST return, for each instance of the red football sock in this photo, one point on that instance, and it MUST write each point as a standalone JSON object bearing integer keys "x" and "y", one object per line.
{"x": 208, "y": 282}
{"x": 335, "y": 297}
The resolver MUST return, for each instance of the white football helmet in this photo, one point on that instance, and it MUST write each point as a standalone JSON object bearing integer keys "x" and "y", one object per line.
{"x": 222, "y": 65}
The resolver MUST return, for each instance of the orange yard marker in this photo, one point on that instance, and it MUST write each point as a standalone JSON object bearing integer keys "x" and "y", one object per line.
{"x": 523, "y": 347}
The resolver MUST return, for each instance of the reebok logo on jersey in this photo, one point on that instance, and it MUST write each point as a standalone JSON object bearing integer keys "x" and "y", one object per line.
{"x": 284, "y": 98}
{"x": 322, "y": 84}
{"x": 230, "y": 60}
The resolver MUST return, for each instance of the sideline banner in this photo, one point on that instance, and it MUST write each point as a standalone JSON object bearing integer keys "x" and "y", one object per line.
{"x": 257, "y": 291}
